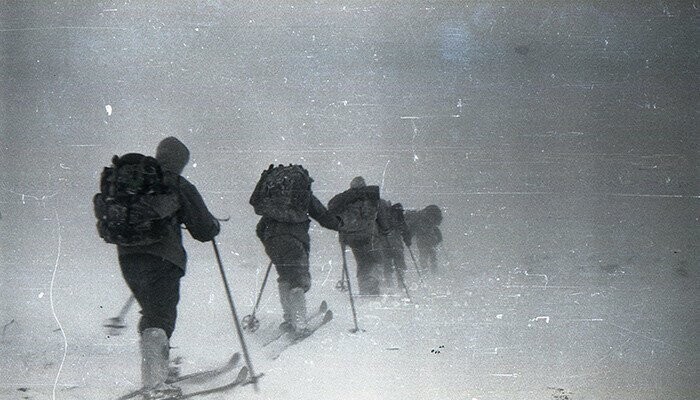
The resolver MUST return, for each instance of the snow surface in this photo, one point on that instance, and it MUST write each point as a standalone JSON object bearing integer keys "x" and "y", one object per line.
{"x": 596, "y": 309}
{"x": 560, "y": 141}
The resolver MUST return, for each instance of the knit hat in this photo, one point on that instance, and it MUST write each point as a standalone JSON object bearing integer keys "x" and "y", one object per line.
{"x": 357, "y": 182}
{"x": 433, "y": 213}
{"x": 172, "y": 155}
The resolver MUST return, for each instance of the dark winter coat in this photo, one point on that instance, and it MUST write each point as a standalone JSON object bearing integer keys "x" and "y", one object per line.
{"x": 423, "y": 228}
{"x": 268, "y": 227}
{"x": 193, "y": 213}
{"x": 397, "y": 223}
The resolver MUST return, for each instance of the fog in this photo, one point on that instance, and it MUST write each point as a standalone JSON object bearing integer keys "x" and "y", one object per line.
{"x": 560, "y": 141}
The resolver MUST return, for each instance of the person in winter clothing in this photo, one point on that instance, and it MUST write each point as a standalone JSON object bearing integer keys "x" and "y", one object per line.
{"x": 398, "y": 235}
{"x": 424, "y": 225}
{"x": 364, "y": 224}
{"x": 288, "y": 245}
{"x": 153, "y": 272}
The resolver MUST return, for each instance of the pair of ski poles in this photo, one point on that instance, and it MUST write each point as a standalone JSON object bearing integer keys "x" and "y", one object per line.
{"x": 118, "y": 323}
{"x": 251, "y": 323}
{"x": 344, "y": 280}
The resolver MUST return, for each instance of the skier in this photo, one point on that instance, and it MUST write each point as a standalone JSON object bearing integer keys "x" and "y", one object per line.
{"x": 285, "y": 201}
{"x": 363, "y": 226}
{"x": 398, "y": 235}
{"x": 424, "y": 225}
{"x": 153, "y": 271}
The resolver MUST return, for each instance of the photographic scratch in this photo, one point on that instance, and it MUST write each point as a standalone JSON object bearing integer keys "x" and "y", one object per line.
{"x": 513, "y": 375}
{"x": 526, "y": 273}
{"x": 587, "y": 194}
{"x": 413, "y": 140}
{"x": 493, "y": 351}
{"x": 636, "y": 333}
{"x": 541, "y": 318}
{"x": 24, "y": 196}
{"x": 328, "y": 275}
{"x": 53, "y": 306}
{"x": 50, "y": 28}
{"x": 414, "y": 117}
{"x": 584, "y": 319}
{"x": 384, "y": 174}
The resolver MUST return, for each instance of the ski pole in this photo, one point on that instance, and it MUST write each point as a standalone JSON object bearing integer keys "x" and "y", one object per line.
{"x": 416, "y": 265}
{"x": 114, "y": 324}
{"x": 399, "y": 274}
{"x": 340, "y": 285}
{"x": 352, "y": 301}
{"x": 250, "y": 323}
{"x": 126, "y": 307}
{"x": 246, "y": 355}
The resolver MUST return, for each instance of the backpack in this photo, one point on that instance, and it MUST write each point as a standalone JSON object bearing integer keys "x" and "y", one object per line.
{"x": 396, "y": 216}
{"x": 283, "y": 193}
{"x": 357, "y": 209}
{"x": 134, "y": 205}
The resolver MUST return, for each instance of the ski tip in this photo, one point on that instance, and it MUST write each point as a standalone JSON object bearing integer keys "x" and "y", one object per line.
{"x": 328, "y": 316}
{"x": 242, "y": 374}
{"x": 324, "y": 306}
{"x": 253, "y": 379}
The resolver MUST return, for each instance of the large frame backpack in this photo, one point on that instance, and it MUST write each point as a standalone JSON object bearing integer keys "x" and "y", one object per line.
{"x": 357, "y": 209}
{"x": 283, "y": 193}
{"x": 134, "y": 205}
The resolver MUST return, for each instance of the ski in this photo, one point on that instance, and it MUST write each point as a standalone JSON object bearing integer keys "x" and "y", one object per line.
{"x": 279, "y": 333}
{"x": 204, "y": 376}
{"x": 288, "y": 340}
{"x": 241, "y": 378}
{"x": 195, "y": 377}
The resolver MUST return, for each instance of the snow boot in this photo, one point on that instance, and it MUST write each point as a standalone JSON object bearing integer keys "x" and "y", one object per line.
{"x": 287, "y": 325}
{"x": 155, "y": 354}
{"x": 369, "y": 286}
{"x": 297, "y": 307}
{"x": 174, "y": 371}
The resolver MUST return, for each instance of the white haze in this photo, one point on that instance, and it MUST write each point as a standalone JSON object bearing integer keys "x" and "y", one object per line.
{"x": 560, "y": 141}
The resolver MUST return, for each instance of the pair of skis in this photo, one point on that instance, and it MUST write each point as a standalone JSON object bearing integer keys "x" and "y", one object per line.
{"x": 281, "y": 341}
{"x": 201, "y": 377}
